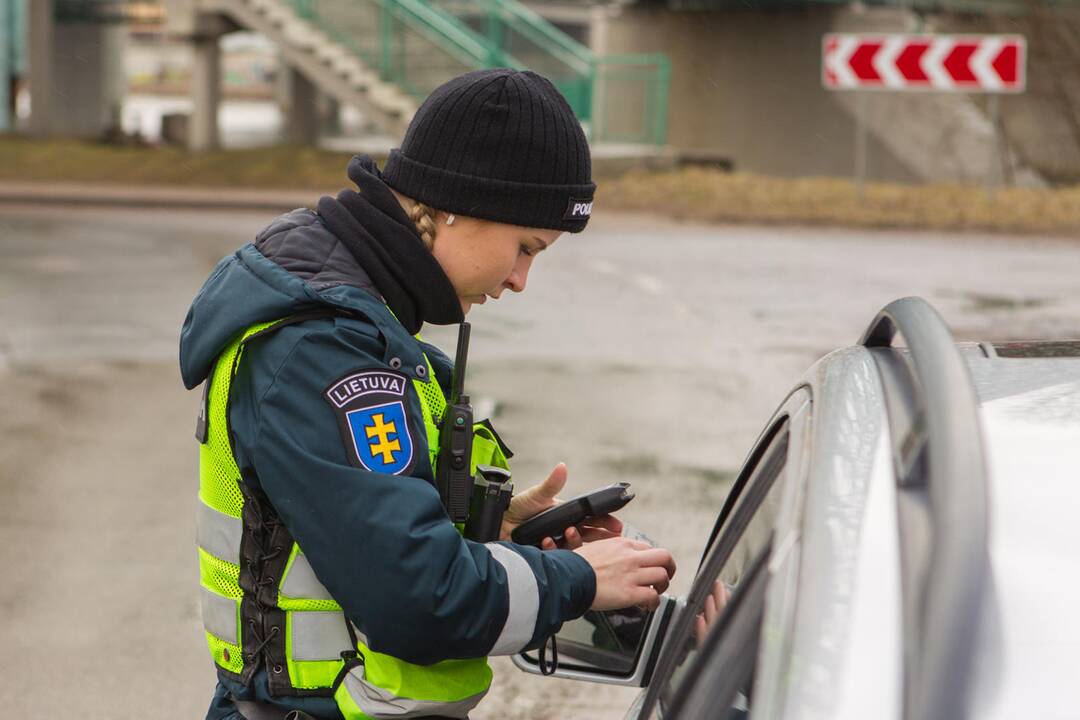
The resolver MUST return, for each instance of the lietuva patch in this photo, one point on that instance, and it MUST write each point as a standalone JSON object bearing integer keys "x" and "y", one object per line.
{"x": 371, "y": 410}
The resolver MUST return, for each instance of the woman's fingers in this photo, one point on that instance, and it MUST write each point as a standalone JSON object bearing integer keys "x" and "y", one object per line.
{"x": 607, "y": 522}
{"x": 655, "y": 577}
{"x": 553, "y": 485}
{"x": 626, "y": 572}
{"x": 572, "y": 539}
{"x": 646, "y": 598}
{"x": 592, "y": 534}
{"x": 650, "y": 557}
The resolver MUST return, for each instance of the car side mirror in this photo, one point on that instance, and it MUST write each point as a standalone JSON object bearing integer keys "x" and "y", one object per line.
{"x": 617, "y": 647}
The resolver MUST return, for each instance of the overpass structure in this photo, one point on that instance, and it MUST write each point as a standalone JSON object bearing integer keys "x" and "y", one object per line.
{"x": 746, "y": 88}
{"x": 734, "y": 83}
{"x": 384, "y": 56}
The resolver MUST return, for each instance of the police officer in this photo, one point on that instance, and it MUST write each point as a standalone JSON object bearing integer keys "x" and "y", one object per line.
{"x": 332, "y": 580}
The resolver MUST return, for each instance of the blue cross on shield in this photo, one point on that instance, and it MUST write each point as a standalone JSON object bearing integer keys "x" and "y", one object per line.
{"x": 381, "y": 436}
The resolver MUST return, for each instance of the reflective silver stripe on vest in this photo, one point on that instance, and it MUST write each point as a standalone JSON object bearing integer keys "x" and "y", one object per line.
{"x": 378, "y": 703}
{"x": 300, "y": 581}
{"x": 219, "y": 616}
{"x": 318, "y": 635}
{"x": 218, "y": 534}
{"x": 524, "y": 601}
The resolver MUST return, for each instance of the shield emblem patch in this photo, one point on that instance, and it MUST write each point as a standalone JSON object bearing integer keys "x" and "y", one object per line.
{"x": 381, "y": 437}
{"x": 371, "y": 407}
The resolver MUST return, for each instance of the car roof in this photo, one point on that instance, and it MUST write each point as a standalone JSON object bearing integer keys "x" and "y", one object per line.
{"x": 1029, "y": 411}
{"x": 1027, "y": 406}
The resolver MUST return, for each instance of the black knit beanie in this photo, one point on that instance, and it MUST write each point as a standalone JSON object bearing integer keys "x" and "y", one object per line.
{"x": 500, "y": 145}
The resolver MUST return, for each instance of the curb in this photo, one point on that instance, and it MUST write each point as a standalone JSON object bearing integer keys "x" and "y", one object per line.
{"x": 70, "y": 194}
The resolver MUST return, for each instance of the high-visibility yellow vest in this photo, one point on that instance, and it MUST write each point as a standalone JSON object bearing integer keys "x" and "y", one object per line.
{"x": 290, "y": 623}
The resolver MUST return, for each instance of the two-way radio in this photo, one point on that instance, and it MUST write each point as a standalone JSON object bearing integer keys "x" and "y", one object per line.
{"x": 454, "y": 474}
{"x": 478, "y": 502}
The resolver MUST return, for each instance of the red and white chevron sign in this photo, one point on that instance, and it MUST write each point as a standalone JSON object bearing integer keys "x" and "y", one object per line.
{"x": 960, "y": 63}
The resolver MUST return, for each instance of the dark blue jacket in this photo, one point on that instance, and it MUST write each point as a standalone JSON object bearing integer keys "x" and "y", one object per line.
{"x": 381, "y": 544}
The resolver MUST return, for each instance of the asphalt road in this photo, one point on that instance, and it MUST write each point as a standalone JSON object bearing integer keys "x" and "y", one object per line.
{"x": 644, "y": 350}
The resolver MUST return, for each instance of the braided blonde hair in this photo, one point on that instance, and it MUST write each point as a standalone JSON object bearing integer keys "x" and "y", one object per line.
{"x": 423, "y": 217}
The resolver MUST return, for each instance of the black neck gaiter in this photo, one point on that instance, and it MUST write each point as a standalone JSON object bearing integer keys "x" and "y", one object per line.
{"x": 375, "y": 229}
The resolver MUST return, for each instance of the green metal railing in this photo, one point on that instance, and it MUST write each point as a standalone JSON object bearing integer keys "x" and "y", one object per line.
{"x": 596, "y": 87}
{"x": 419, "y": 44}
{"x": 630, "y": 103}
{"x": 409, "y": 42}
{"x": 534, "y": 42}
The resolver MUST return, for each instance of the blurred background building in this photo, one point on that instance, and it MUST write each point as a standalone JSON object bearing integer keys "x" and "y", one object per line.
{"x": 729, "y": 82}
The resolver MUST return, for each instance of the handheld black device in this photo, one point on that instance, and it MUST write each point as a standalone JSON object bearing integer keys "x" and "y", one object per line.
{"x": 552, "y": 522}
{"x": 454, "y": 476}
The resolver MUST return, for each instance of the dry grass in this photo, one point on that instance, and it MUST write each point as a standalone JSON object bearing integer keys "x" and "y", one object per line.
{"x": 281, "y": 167}
{"x": 699, "y": 194}
{"x": 714, "y": 196}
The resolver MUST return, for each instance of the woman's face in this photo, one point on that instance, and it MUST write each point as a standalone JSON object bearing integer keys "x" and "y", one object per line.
{"x": 484, "y": 258}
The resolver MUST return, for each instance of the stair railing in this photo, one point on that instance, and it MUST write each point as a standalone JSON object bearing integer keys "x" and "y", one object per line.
{"x": 620, "y": 98}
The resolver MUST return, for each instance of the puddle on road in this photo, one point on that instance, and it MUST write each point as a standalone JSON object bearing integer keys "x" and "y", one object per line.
{"x": 989, "y": 303}
{"x": 710, "y": 476}
{"x": 981, "y": 302}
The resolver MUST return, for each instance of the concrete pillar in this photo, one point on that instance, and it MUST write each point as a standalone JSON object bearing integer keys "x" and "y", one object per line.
{"x": 76, "y": 74}
{"x": 88, "y": 81}
{"x": 41, "y": 29}
{"x": 331, "y": 116}
{"x": 6, "y": 69}
{"x": 205, "y": 93}
{"x": 302, "y": 118}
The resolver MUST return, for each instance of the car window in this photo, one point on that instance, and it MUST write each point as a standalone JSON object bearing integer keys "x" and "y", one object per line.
{"x": 742, "y": 535}
{"x": 749, "y": 475}
{"x": 719, "y": 682}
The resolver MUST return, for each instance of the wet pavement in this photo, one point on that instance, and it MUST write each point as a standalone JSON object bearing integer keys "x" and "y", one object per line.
{"x": 644, "y": 350}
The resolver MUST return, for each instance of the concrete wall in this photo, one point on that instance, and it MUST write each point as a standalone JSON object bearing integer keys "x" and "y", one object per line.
{"x": 1042, "y": 125}
{"x": 746, "y": 86}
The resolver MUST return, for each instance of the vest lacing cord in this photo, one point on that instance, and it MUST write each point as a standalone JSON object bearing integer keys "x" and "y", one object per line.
{"x": 260, "y": 527}
{"x": 262, "y": 641}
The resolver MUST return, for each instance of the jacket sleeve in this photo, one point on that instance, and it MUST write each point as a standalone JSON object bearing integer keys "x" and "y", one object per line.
{"x": 382, "y": 544}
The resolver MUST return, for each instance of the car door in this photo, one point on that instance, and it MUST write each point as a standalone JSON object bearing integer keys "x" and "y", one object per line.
{"x": 753, "y": 541}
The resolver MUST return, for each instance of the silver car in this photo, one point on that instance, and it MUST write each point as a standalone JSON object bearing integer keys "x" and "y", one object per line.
{"x": 901, "y": 542}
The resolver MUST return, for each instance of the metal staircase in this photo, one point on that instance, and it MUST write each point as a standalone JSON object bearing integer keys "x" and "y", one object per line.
{"x": 385, "y": 56}
{"x": 320, "y": 56}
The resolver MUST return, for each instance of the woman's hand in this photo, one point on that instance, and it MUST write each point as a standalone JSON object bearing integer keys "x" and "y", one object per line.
{"x": 543, "y": 496}
{"x": 628, "y": 572}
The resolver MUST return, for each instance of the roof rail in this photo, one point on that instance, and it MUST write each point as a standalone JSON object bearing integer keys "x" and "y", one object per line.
{"x": 939, "y": 667}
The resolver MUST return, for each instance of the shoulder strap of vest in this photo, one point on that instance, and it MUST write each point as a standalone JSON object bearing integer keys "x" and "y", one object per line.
{"x": 202, "y": 424}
